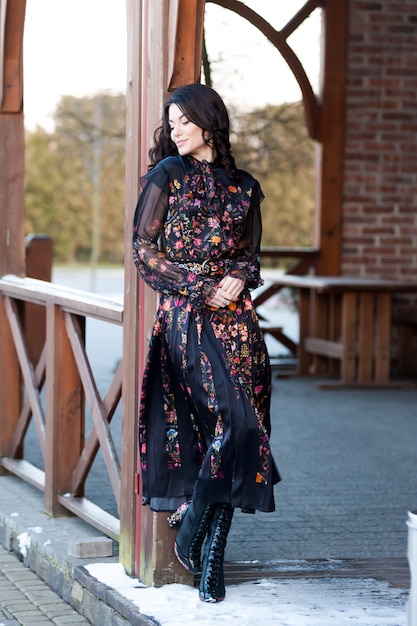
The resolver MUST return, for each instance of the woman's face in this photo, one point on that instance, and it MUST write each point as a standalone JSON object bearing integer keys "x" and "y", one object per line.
{"x": 188, "y": 137}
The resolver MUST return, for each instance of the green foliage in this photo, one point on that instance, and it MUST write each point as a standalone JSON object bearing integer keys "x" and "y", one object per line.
{"x": 273, "y": 144}
{"x": 75, "y": 176}
{"x": 75, "y": 179}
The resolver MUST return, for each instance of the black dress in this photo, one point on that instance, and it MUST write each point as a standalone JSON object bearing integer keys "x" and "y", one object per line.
{"x": 204, "y": 420}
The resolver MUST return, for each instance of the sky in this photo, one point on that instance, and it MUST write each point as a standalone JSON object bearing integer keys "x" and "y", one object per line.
{"x": 266, "y": 602}
{"x": 78, "y": 47}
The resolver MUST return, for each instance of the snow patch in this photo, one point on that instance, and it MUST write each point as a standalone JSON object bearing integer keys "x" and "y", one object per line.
{"x": 277, "y": 602}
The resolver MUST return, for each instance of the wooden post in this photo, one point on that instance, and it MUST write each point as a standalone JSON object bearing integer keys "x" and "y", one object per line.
{"x": 39, "y": 253}
{"x": 12, "y": 138}
{"x": 64, "y": 411}
{"x": 330, "y": 151}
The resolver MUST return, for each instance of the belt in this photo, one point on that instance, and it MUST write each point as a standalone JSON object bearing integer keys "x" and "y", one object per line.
{"x": 207, "y": 267}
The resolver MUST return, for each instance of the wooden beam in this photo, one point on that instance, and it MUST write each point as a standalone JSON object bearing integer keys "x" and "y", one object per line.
{"x": 330, "y": 152}
{"x": 185, "y": 46}
{"x": 12, "y": 18}
{"x": 278, "y": 39}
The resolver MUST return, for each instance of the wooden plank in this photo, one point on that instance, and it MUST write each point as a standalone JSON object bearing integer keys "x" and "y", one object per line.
{"x": 349, "y": 337}
{"x": 366, "y": 338}
{"x": 92, "y": 514}
{"x": 341, "y": 284}
{"x": 26, "y": 471}
{"x": 331, "y": 349}
{"x": 382, "y": 338}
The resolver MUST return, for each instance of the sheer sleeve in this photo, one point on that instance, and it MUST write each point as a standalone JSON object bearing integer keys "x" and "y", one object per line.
{"x": 246, "y": 258}
{"x": 153, "y": 266}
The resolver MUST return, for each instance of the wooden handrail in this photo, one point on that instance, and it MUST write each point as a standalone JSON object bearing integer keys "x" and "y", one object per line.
{"x": 70, "y": 300}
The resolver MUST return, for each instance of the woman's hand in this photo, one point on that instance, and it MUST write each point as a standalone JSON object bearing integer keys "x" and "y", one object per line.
{"x": 228, "y": 290}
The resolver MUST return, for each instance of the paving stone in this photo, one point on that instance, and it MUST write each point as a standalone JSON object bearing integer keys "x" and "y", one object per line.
{"x": 70, "y": 619}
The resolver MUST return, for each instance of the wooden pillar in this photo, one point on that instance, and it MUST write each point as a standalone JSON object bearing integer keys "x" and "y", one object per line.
{"x": 330, "y": 150}
{"x": 12, "y": 139}
{"x": 12, "y": 194}
{"x": 149, "y": 23}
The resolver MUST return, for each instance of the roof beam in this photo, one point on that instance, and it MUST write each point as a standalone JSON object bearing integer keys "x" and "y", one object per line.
{"x": 186, "y": 24}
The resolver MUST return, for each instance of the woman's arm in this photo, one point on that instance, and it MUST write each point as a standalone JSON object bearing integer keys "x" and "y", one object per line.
{"x": 155, "y": 269}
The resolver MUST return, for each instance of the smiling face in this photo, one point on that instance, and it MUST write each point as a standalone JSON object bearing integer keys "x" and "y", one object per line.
{"x": 187, "y": 136}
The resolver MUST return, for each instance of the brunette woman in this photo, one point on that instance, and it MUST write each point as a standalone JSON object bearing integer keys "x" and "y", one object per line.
{"x": 204, "y": 421}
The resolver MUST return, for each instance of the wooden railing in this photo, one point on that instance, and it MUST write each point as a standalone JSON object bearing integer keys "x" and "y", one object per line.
{"x": 54, "y": 393}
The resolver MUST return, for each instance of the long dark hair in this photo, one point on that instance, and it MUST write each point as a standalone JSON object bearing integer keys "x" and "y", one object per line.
{"x": 204, "y": 107}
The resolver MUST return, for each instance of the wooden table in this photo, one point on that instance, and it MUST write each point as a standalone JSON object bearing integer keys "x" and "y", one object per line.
{"x": 345, "y": 327}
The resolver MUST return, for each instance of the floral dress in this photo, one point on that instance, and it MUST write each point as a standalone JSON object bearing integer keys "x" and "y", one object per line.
{"x": 204, "y": 421}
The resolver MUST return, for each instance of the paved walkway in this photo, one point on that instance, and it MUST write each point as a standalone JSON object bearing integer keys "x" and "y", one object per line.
{"x": 27, "y": 600}
{"x": 349, "y": 466}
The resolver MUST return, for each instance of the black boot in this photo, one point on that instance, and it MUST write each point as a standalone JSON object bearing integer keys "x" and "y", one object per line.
{"x": 191, "y": 535}
{"x": 212, "y": 578}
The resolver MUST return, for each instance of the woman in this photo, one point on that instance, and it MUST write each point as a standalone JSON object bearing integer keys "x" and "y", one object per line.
{"x": 204, "y": 421}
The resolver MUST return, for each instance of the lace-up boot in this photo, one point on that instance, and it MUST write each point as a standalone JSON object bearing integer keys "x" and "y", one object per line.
{"x": 212, "y": 578}
{"x": 191, "y": 535}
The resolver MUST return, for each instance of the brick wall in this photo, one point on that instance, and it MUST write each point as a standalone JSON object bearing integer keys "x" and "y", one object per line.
{"x": 380, "y": 192}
